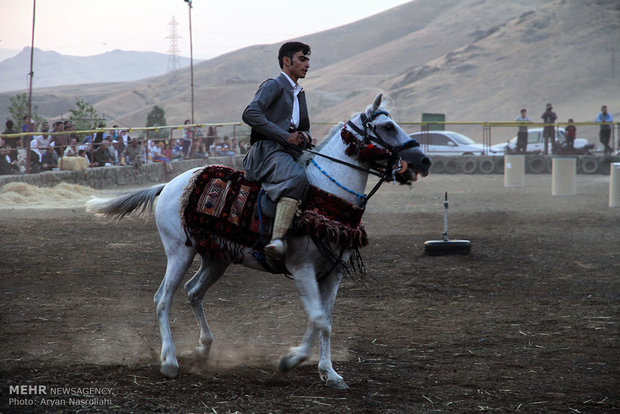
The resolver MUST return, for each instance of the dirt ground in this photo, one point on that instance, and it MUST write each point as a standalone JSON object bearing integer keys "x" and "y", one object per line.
{"x": 527, "y": 323}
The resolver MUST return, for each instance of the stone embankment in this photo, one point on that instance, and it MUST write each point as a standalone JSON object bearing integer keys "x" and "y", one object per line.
{"x": 112, "y": 177}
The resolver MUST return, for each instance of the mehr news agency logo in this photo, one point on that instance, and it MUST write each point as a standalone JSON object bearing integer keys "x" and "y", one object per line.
{"x": 43, "y": 395}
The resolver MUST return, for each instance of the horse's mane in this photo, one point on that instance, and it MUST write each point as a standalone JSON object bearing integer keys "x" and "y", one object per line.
{"x": 306, "y": 156}
{"x": 386, "y": 105}
{"x": 332, "y": 132}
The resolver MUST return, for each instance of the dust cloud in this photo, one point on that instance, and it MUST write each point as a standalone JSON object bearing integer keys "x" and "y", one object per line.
{"x": 17, "y": 195}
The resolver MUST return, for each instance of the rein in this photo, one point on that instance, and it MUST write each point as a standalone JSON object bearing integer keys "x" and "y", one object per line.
{"x": 367, "y": 139}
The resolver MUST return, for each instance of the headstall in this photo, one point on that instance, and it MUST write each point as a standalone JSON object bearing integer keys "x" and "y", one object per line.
{"x": 371, "y": 150}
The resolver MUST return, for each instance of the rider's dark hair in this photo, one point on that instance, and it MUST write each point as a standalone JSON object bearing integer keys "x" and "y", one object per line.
{"x": 288, "y": 49}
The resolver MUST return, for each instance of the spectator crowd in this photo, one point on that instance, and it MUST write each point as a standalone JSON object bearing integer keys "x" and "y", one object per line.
{"x": 45, "y": 148}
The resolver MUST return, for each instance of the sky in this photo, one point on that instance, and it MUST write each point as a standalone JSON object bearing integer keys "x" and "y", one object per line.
{"x": 91, "y": 27}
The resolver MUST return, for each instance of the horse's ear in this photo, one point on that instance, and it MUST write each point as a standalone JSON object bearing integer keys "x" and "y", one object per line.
{"x": 377, "y": 103}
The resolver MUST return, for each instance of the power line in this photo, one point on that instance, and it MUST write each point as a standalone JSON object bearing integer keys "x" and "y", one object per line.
{"x": 173, "y": 50}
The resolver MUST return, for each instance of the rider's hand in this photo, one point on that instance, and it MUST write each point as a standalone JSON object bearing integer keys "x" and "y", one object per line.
{"x": 297, "y": 139}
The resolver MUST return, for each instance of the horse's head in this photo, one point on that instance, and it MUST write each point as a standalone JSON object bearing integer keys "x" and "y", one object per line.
{"x": 378, "y": 141}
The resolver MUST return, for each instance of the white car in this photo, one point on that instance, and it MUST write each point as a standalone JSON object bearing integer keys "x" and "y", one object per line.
{"x": 536, "y": 143}
{"x": 447, "y": 143}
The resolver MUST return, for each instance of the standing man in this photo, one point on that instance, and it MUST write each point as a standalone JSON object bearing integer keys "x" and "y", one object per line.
{"x": 605, "y": 132}
{"x": 549, "y": 117}
{"x": 187, "y": 139}
{"x": 522, "y": 134}
{"x": 278, "y": 116}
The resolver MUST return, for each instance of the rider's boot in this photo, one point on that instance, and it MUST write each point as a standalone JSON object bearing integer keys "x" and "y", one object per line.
{"x": 285, "y": 213}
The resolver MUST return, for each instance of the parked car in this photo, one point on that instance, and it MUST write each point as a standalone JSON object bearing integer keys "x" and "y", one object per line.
{"x": 536, "y": 144}
{"x": 447, "y": 143}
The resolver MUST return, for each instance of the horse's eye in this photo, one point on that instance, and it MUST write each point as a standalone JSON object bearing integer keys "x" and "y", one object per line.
{"x": 389, "y": 127}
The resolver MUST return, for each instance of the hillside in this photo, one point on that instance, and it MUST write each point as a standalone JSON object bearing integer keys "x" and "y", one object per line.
{"x": 474, "y": 60}
{"x": 559, "y": 53}
{"x": 54, "y": 69}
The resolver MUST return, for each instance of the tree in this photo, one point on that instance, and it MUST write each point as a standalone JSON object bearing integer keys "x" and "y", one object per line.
{"x": 84, "y": 116}
{"x": 157, "y": 117}
{"x": 19, "y": 109}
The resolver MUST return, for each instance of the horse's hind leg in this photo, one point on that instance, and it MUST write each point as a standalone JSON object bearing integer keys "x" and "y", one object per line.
{"x": 210, "y": 271}
{"x": 175, "y": 271}
{"x": 328, "y": 287}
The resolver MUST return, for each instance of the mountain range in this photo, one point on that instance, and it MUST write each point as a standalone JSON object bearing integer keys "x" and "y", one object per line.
{"x": 53, "y": 69}
{"x": 473, "y": 60}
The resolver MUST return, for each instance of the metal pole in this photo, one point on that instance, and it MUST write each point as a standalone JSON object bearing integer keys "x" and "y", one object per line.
{"x": 191, "y": 56}
{"x": 26, "y": 144}
{"x": 31, "y": 73}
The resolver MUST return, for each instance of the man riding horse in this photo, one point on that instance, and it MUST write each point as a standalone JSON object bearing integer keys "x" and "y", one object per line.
{"x": 278, "y": 116}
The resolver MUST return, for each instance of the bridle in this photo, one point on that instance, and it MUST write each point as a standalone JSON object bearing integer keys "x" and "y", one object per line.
{"x": 370, "y": 153}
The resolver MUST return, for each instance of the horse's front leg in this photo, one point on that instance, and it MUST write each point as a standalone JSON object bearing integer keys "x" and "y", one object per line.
{"x": 210, "y": 271}
{"x": 328, "y": 287}
{"x": 305, "y": 280}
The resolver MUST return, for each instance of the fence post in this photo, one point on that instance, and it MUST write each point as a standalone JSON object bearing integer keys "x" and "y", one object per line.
{"x": 514, "y": 170}
{"x": 563, "y": 180}
{"x": 614, "y": 185}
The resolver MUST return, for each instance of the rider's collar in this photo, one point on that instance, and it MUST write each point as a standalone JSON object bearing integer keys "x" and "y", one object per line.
{"x": 296, "y": 86}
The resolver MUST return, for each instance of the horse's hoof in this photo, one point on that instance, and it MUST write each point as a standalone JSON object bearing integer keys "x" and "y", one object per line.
{"x": 285, "y": 364}
{"x": 202, "y": 352}
{"x": 169, "y": 371}
{"x": 337, "y": 384}
{"x": 290, "y": 362}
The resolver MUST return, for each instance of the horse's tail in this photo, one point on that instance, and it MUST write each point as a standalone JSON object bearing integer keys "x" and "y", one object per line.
{"x": 121, "y": 206}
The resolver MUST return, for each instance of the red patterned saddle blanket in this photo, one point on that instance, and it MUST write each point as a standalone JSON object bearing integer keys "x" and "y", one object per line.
{"x": 219, "y": 209}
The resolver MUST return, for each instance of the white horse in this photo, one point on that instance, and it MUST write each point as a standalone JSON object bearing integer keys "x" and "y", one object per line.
{"x": 316, "y": 277}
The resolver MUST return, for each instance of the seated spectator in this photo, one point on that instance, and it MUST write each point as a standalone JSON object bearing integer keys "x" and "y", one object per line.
{"x": 134, "y": 153}
{"x": 216, "y": 148}
{"x": 7, "y": 166}
{"x": 234, "y": 146}
{"x": 226, "y": 148}
{"x": 243, "y": 147}
{"x": 166, "y": 150}
{"x": 35, "y": 163}
{"x": 176, "y": 151}
{"x": 72, "y": 149}
{"x": 83, "y": 152}
{"x": 202, "y": 151}
{"x": 158, "y": 156}
{"x": 101, "y": 156}
{"x": 34, "y": 147}
{"x": 49, "y": 159}
{"x": 115, "y": 152}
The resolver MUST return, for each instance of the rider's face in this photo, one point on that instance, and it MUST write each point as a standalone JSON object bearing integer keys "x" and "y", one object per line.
{"x": 297, "y": 67}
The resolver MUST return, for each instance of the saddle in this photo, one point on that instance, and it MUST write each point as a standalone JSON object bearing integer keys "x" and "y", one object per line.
{"x": 224, "y": 213}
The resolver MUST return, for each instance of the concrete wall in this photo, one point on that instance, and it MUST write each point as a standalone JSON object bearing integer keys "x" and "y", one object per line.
{"x": 113, "y": 177}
